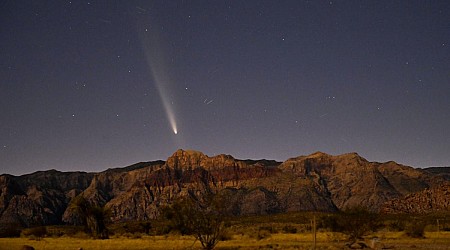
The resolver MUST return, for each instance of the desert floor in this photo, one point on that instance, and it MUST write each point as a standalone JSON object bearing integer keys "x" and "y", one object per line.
{"x": 389, "y": 240}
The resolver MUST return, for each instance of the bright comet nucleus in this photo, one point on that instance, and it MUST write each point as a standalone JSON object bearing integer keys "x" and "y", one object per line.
{"x": 157, "y": 61}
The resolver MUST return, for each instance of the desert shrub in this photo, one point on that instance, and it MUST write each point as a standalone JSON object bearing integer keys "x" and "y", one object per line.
{"x": 263, "y": 234}
{"x": 72, "y": 230}
{"x": 355, "y": 222}
{"x": 81, "y": 235}
{"x": 55, "y": 233}
{"x": 202, "y": 217}
{"x": 132, "y": 235}
{"x": 9, "y": 233}
{"x": 416, "y": 229}
{"x": 93, "y": 217}
{"x": 258, "y": 233}
{"x": 127, "y": 235}
{"x": 60, "y": 230}
{"x": 270, "y": 229}
{"x": 145, "y": 226}
{"x": 289, "y": 229}
{"x": 35, "y": 232}
{"x": 10, "y": 230}
{"x": 164, "y": 230}
{"x": 329, "y": 222}
{"x": 397, "y": 225}
{"x": 134, "y": 227}
{"x": 226, "y": 235}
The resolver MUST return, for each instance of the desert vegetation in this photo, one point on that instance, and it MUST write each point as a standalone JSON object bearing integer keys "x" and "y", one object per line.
{"x": 204, "y": 218}
{"x": 190, "y": 224}
{"x": 92, "y": 217}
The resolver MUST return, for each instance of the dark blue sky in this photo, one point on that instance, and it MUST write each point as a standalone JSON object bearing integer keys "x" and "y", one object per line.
{"x": 88, "y": 85}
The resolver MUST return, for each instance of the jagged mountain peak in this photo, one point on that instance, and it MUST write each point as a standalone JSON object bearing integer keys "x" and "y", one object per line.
{"x": 318, "y": 154}
{"x": 183, "y": 159}
{"x": 190, "y": 152}
{"x": 350, "y": 154}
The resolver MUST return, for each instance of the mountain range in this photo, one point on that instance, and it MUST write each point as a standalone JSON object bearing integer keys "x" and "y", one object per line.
{"x": 316, "y": 182}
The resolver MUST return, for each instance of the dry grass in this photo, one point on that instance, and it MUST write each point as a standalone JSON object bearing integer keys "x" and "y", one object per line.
{"x": 397, "y": 240}
{"x": 68, "y": 243}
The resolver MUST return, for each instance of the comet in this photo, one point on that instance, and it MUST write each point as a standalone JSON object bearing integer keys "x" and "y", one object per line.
{"x": 157, "y": 61}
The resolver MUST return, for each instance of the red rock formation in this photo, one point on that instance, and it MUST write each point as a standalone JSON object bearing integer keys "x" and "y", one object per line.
{"x": 318, "y": 182}
{"x": 426, "y": 201}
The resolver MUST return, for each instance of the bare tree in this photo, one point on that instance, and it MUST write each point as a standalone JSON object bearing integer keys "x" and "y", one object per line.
{"x": 204, "y": 219}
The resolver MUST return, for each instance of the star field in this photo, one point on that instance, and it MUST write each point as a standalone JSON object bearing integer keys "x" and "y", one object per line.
{"x": 89, "y": 85}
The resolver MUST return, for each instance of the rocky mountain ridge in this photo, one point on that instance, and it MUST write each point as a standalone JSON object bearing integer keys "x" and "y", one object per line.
{"x": 434, "y": 199}
{"x": 318, "y": 182}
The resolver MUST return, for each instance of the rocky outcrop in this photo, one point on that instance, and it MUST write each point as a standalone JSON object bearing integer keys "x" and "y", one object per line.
{"x": 443, "y": 172}
{"x": 195, "y": 174}
{"x": 318, "y": 182}
{"x": 39, "y": 198}
{"x": 353, "y": 181}
{"x": 427, "y": 201}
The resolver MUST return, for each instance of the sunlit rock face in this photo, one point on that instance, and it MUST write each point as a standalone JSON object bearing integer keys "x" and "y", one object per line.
{"x": 317, "y": 182}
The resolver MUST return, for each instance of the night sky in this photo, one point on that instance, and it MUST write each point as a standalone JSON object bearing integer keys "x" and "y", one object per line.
{"x": 90, "y": 85}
